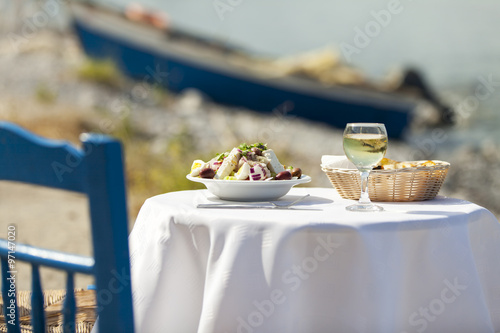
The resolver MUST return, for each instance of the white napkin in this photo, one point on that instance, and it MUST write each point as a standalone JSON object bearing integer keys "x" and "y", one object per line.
{"x": 337, "y": 162}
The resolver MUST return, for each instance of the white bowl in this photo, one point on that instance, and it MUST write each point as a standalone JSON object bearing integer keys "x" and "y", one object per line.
{"x": 246, "y": 190}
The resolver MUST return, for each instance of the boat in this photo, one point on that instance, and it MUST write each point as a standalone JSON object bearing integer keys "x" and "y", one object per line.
{"x": 178, "y": 60}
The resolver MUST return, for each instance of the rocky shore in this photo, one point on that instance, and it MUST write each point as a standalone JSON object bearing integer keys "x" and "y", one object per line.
{"x": 41, "y": 78}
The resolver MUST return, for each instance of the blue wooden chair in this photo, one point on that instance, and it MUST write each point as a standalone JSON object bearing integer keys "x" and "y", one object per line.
{"x": 96, "y": 170}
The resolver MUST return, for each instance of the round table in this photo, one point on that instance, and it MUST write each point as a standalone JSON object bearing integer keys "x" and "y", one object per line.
{"x": 416, "y": 267}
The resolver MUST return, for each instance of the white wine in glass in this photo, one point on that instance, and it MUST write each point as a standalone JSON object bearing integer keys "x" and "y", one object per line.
{"x": 365, "y": 145}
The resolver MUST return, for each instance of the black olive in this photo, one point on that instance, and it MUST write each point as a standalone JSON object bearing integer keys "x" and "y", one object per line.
{"x": 296, "y": 172}
{"x": 207, "y": 173}
{"x": 284, "y": 175}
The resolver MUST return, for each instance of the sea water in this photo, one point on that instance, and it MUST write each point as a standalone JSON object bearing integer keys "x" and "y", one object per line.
{"x": 454, "y": 41}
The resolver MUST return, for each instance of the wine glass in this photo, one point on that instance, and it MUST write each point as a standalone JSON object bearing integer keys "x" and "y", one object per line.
{"x": 365, "y": 145}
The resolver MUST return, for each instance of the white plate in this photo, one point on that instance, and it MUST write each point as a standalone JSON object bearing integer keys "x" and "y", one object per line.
{"x": 246, "y": 190}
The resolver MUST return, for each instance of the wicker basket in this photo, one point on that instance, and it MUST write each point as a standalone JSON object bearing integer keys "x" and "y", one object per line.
{"x": 53, "y": 303}
{"x": 408, "y": 184}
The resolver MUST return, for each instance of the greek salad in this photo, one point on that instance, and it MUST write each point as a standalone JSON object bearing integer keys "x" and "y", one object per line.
{"x": 255, "y": 162}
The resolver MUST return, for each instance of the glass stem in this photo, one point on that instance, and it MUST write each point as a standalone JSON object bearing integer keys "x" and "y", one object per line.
{"x": 364, "y": 199}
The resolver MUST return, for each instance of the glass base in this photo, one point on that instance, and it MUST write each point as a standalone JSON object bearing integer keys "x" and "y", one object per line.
{"x": 364, "y": 208}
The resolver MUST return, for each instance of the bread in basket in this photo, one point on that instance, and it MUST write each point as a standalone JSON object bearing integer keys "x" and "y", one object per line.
{"x": 414, "y": 183}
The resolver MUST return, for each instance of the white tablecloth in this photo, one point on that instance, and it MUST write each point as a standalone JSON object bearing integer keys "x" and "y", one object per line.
{"x": 419, "y": 267}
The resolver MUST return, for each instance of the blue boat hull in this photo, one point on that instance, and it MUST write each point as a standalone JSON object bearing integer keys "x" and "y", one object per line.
{"x": 176, "y": 73}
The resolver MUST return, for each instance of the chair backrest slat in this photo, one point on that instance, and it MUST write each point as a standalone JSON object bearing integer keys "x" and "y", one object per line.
{"x": 10, "y": 309}
{"x": 37, "y": 311}
{"x": 49, "y": 258}
{"x": 40, "y": 161}
{"x": 69, "y": 306}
